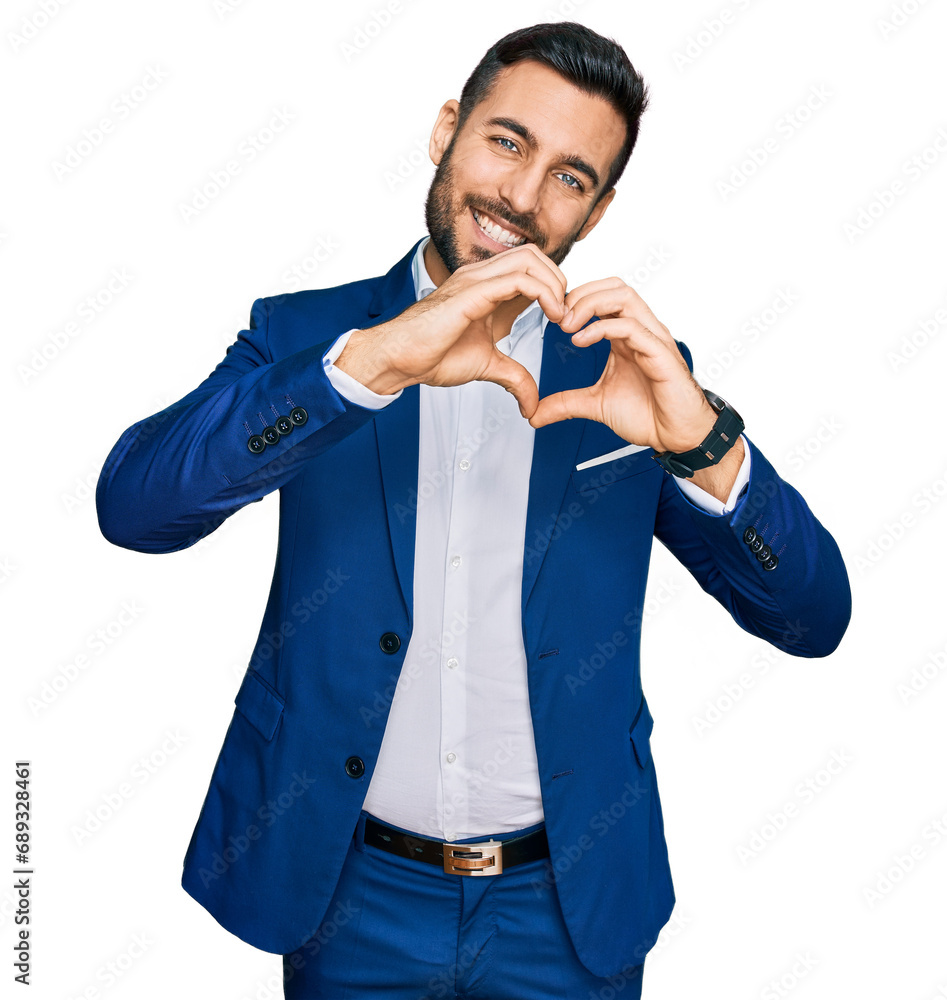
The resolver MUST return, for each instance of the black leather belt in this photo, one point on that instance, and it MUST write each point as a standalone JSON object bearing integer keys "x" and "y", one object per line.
{"x": 486, "y": 857}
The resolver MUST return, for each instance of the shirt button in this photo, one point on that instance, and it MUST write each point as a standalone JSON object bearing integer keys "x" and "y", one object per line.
{"x": 451, "y": 757}
{"x": 464, "y": 465}
{"x": 453, "y": 662}
{"x": 455, "y": 562}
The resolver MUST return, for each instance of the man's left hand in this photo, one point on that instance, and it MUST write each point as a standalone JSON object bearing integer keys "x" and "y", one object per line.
{"x": 646, "y": 393}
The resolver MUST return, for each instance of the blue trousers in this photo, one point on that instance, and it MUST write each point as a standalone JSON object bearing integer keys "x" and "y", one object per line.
{"x": 401, "y": 929}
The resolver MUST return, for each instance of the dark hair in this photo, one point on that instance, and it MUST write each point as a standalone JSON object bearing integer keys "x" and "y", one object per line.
{"x": 593, "y": 63}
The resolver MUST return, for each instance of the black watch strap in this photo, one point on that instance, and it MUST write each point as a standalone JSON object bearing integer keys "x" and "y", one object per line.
{"x": 719, "y": 441}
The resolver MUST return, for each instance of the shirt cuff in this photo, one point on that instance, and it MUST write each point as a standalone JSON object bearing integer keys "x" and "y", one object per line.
{"x": 710, "y": 503}
{"x": 350, "y": 388}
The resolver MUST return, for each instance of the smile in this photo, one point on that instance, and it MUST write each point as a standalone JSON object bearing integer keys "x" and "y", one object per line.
{"x": 496, "y": 232}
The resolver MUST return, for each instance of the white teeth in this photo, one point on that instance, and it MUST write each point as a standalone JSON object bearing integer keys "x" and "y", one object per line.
{"x": 498, "y": 233}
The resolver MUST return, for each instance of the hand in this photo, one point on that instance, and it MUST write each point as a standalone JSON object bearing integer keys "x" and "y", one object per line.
{"x": 646, "y": 393}
{"x": 450, "y": 337}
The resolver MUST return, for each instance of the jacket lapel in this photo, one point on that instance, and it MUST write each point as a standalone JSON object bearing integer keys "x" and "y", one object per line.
{"x": 397, "y": 432}
{"x": 555, "y": 447}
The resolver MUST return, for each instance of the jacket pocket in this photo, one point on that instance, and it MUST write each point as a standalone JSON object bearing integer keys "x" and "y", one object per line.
{"x": 260, "y": 706}
{"x": 598, "y": 478}
{"x": 641, "y": 734}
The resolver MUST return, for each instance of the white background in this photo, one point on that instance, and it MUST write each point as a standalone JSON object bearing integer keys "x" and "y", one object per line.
{"x": 827, "y": 391}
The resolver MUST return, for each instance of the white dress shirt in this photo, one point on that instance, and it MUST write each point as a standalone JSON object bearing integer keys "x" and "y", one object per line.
{"x": 458, "y": 758}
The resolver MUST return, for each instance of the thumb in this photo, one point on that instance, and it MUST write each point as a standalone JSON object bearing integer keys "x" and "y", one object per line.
{"x": 565, "y": 405}
{"x": 515, "y": 379}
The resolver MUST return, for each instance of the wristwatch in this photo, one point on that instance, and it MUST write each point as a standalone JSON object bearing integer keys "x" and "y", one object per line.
{"x": 718, "y": 442}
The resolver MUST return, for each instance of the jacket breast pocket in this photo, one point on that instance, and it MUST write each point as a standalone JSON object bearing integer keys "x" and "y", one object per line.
{"x": 598, "y": 477}
{"x": 641, "y": 734}
{"x": 259, "y": 705}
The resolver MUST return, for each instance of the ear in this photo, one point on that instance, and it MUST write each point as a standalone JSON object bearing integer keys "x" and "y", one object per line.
{"x": 443, "y": 130}
{"x": 596, "y": 214}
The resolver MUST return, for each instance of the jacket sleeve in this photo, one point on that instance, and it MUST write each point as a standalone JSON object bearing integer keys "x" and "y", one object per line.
{"x": 174, "y": 477}
{"x": 769, "y": 562}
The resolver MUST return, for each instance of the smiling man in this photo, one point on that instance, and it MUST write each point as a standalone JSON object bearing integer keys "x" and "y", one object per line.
{"x": 438, "y": 777}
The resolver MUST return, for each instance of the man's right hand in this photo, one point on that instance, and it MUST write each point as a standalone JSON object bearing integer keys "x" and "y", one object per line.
{"x": 450, "y": 337}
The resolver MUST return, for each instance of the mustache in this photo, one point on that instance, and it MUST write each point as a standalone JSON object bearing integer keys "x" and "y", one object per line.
{"x": 522, "y": 222}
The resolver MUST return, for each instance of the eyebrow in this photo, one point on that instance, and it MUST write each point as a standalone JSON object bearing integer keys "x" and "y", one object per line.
{"x": 570, "y": 160}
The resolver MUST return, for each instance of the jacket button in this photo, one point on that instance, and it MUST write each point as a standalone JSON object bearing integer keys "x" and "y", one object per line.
{"x": 355, "y": 767}
{"x": 764, "y": 553}
{"x": 256, "y": 444}
{"x": 390, "y": 643}
{"x": 298, "y": 416}
{"x": 756, "y": 544}
{"x": 748, "y": 536}
{"x": 284, "y": 425}
{"x": 771, "y": 563}
{"x": 270, "y": 435}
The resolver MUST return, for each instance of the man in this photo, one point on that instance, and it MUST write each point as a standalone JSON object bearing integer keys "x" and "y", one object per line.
{"x": 420, "y": 793}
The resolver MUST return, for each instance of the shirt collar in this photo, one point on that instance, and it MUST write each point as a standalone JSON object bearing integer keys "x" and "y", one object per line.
{"x": 531, "y": 318}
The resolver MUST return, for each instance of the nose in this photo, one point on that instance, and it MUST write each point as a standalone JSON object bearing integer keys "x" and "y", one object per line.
{"x": 522, "y": 187}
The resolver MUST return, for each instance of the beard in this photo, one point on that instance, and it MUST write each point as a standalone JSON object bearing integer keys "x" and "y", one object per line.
{"x": 443, "y": 209}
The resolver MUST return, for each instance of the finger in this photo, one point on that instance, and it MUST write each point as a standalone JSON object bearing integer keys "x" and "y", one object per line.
{"x": 608, "y": 297}
{"x": 487, "y": 294}
{"x": 628, "y": 334}
{"x": 565, "y": 406}
{"x": 515, "y": 379}
{"x": 528, "y": 258}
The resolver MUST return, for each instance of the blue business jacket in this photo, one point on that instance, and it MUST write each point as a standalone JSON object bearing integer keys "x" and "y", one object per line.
{"x": 298, "y": 755}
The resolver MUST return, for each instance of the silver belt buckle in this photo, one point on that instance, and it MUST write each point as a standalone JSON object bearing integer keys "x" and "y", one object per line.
{"x": 485, "y": 858}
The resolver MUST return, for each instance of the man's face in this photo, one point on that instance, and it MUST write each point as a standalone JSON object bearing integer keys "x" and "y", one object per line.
{"x": 528, "y": 165}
